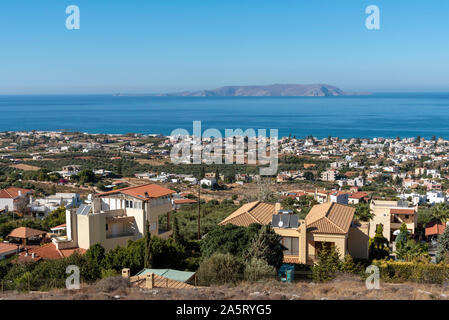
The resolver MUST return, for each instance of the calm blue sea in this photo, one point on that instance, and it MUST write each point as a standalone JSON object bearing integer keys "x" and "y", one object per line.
{"x": 380, "y": 115}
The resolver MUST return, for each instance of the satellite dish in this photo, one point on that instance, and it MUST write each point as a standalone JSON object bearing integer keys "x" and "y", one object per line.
{"x": 280, "y": 224}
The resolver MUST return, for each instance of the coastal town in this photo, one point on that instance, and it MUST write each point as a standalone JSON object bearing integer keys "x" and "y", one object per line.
{"x": 119, "y": 207}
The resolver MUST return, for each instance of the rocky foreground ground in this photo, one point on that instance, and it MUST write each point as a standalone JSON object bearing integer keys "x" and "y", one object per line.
{"x": 343, "y": 288}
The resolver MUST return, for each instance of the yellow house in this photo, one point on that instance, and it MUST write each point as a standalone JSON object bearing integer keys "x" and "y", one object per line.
{"x": 327, "y": 224}
{"x": 392, "y": 214}
{"x": 117, "y": 216}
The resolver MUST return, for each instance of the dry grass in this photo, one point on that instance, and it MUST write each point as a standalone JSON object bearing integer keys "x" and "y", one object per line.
{"x": 25, "y": 167}
{"x": 343, "y": 288}
{"x": 152, "y": 162}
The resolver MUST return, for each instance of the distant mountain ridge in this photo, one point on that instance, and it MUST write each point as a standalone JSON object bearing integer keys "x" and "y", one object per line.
{"x": 274, "y": 90}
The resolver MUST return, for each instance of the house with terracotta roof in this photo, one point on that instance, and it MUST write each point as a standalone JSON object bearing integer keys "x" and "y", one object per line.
{"x": 435, "y": 228}
{"x": 11, "y": 198}
{"x": 392, "y": 214}
{"x": 357, "y": 197}
{"x": 177, "y": 203}
{"x": 25, "y": 234}
{"x": 340, "y": 197}
{"x": 8, "y": 249}
{"x": 328, "y": 224}
{"x": 116, "y": 216}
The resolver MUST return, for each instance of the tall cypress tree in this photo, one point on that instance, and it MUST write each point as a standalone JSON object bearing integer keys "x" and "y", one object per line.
{"x": 177, "y": 236}
{"x": 443, "y": 246}
{"x": 147, "y": 258}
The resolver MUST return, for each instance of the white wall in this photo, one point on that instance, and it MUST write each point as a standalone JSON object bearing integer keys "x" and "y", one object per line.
{"x": 7, "y": 202}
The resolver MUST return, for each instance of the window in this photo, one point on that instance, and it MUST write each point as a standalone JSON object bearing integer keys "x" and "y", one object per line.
{"x": 292, "y": 245}
{"x": 107, "y": 227}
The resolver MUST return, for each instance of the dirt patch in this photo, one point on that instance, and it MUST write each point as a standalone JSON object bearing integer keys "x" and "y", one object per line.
{"x": 152, "y": 162}
{"x": 25, "y": 167}
{"x": 343, "y": 288}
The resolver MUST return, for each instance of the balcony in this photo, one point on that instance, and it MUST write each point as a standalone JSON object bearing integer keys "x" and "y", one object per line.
{"x": 115, "y": 213}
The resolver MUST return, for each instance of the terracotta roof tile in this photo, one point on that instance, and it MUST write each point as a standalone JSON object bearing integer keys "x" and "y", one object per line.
{"x": 25, "y": 233}
{"x": 253, "y": 212}
{"x": 48, "y": 252}
{"x": 402, "y": 211}
{"x": 330, "y": 218}
{"x": 435, "y": 228}
{"x": 153, "y": 190}
{"x": 184, "y": 201}
{"x": 13, "y": 192}
{"x": 7, "y": 247}
{"x": 291, "y": 259}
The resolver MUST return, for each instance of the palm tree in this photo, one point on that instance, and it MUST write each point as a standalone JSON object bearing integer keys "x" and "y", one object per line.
{"x": 441, "y": 212}
{"x": 363, "y": 212}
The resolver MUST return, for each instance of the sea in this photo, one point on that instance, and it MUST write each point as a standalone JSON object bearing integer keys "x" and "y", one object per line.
{"x": 378, "y": 115}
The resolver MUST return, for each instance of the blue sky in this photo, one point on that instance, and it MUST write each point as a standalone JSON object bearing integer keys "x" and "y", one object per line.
{"x": 145, "y": 46}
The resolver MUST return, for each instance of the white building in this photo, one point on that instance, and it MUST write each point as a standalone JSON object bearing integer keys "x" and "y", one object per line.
{"x": 339, "y": 197}
{"x": 11, "y": 198}
{"x": 208, "y": 181}
{"x": 48, "y": 204}
{"x": 435, "y": 197}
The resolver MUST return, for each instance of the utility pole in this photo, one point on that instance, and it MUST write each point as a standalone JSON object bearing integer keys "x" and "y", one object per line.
{"x": 199, "y": 210}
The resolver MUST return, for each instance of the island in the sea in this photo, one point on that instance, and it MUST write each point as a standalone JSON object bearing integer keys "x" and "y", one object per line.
{"x": 274, "y": 90}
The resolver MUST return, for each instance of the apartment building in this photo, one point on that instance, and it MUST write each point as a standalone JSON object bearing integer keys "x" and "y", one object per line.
{"x": 392, "y": 214}
{"x": 329, "y": 175}
{"x": 117, "y": 216}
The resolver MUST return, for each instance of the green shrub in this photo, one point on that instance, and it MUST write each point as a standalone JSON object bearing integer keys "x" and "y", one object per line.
{"x": 219, "y": 269}
{"x": 258, "y": 269}
{"x": 229, "y": 238}
{"x": 327, "y": 266}
{"x": 378, "y": 246}
{"x": 422, "y": 272}
{"x": 349, "y": 266}
{"x": 266, "y": 245}
{"x": 109, "y": 273}
{"x": 24, "y": 282}
{"x": 443, "y": 246}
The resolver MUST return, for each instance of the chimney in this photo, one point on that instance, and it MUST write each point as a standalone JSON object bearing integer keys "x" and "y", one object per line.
{"x": 126, "y": 273}
{"x": 20, "y": 193}
{"x": 277, "y": 207}
{"x": 33, "y": 255}
{"x": 149, "y": 281}
{"x": 147, "y": 195}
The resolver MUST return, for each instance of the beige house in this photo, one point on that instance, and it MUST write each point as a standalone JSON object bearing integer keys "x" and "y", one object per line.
{"x": 329, "y": 175}
{"x": 392, "y": 214}
{"x": 117, "y": 216}
{"x": 326, "y": 225}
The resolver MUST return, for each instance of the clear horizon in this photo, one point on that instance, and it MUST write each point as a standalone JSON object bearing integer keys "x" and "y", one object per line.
{"x": 159, "y": 47}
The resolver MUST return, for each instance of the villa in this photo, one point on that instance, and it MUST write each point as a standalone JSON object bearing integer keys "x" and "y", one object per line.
{"x": 117, "y": 216}
{"x": 328, "y": 224}
{"x": 392, "y": 214}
